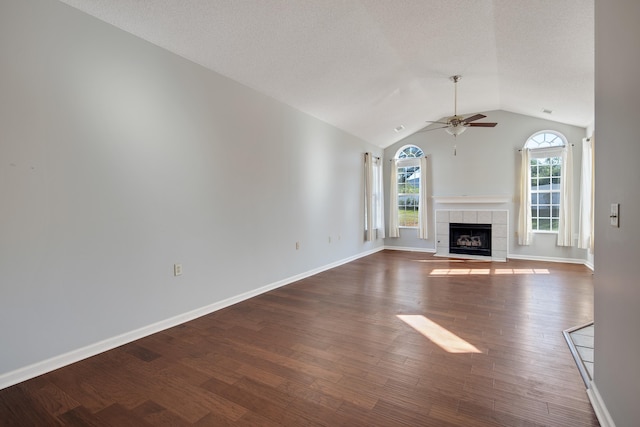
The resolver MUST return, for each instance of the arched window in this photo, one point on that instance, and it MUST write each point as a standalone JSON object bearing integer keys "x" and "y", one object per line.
{"x": 545, "y": 139}
{"x": 408, "y": 192}
{"x": 546, "y": 188}
{"x": 408, "y": 152}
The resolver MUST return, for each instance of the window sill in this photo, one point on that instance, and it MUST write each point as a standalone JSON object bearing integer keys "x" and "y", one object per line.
{"x": 544, "y": 232}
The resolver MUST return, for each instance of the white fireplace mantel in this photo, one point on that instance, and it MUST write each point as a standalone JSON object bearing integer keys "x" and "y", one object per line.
{"x": 471, "y": 199}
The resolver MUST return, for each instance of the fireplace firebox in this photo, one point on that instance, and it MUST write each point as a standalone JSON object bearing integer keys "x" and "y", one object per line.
{"x": 470, "y": 239}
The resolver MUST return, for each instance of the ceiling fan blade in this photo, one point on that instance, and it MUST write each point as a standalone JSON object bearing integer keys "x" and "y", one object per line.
{"x": 473, "y": 118}
{"x": 430, "y": 129}
{"x": 483, "y": 125}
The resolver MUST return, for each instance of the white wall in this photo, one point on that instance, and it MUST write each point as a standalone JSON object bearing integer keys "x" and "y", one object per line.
{"x": 487, "y": 163}
{"x": 617, "y": 150}
{"x": 119, "y": 159}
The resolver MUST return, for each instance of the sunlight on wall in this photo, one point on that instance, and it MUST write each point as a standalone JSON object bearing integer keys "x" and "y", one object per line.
{"x": 440, "y": 336}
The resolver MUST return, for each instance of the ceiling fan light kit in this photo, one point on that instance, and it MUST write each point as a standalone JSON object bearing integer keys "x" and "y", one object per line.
{"x": 455, "y": 130}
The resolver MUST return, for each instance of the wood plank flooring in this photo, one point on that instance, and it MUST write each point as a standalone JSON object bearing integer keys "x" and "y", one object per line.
{"x": 330, "y": 350}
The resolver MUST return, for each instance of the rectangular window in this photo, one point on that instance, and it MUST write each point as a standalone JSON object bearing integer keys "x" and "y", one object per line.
{"x": 545, "y": 193}
{"x": 408, "y": 196}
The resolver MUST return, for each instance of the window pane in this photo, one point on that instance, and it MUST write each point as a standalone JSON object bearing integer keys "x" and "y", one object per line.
{"x": 408, "y": 217}
{"x": 555, "y": 198}
{"x": 534, "y": 198}
{"x": 408, "y": 180}
{"x": 554, "y": 224}
{"x": 555, "y": 183}
{"x": 410, "y": 152}
{"x": 544, "y": 170}
{"x": 544, "y": 198}
{"x": 544, "y": 224}
{"x": 407, "y": 200}
{"x": 544, "y": 212}
{"x": 534, "y": 211}
{"x": 555, "y": 211}
{"x": 544, "y": 183}
{"x": 412, "y": 187}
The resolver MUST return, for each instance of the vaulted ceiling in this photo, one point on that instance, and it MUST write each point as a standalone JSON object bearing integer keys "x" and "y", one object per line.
{"x": 369, "y": 66}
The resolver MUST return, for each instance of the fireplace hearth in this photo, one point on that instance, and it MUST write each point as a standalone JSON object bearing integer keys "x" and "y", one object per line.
{"x": 470, "y": 239}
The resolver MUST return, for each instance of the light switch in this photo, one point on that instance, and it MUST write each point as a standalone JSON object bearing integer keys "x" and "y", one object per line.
{"x": 615, "y": 215}
{"x": 177, "y": 269}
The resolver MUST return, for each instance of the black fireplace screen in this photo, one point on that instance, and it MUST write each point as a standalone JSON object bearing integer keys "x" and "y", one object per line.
{"x": 470, "y": 239}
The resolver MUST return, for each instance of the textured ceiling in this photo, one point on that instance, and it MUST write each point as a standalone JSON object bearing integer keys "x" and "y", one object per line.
{"x": 368, "y": 66}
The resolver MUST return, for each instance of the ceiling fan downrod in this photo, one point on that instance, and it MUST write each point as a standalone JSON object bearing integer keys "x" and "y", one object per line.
{"x": 455, "y": 79}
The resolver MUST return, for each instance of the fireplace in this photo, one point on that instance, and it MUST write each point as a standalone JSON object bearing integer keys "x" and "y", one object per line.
{"x": 470, "y": 239}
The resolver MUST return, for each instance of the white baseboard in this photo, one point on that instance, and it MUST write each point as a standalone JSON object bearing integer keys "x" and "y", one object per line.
{"x": 408, "y": 249}
{"x": 509, "y": 256}
{"x": 604, "y": 417}
{"x": 31, "y": 371}
{"x": 547, "y": 259}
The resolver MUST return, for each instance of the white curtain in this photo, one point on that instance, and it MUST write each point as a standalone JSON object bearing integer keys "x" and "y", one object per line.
{"x": 368, "y": 198}
{"x": 524, "y": 216}
{"x": 373, "y": 206}
{"x": 394, "y": 228}
{"x": 378, "y": 195}
{"x": 587, "y": 193}
{"x": 565, "y": 229}
{"x": 423, "y": 216}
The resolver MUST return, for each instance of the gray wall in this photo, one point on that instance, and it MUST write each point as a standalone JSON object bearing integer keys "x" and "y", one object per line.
{"x": 487, "y": 163}
{"x": 119, "y": 159}
{"x": 617, "y": 150}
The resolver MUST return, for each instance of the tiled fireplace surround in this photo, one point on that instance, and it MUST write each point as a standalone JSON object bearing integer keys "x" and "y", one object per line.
{"x": 499, "y": 220}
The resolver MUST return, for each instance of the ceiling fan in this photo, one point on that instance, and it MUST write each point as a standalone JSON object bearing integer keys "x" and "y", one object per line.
{"x": 456, "y": 124}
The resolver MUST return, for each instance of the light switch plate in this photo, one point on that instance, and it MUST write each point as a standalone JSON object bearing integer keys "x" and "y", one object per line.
{"x": 177, "y": 269}
{"x": 614, "y": 216}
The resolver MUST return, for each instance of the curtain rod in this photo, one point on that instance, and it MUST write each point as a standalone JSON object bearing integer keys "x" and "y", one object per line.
{"x": 573, "y": 145}
{"x": 409, "y": 158}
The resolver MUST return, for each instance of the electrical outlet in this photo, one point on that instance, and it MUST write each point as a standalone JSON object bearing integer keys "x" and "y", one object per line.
{"x": 297, "y": 245}
{"x": 177, "y": 269}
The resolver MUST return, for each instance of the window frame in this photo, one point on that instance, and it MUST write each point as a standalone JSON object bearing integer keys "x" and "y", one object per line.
{"x": 406, "y": 158}
{"x": 545, "y": 145}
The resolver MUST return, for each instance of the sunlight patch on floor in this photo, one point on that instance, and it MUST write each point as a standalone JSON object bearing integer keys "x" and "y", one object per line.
{"x": 440, "y": 336}
{"x": 521, "y": 271}
{"x": 486, "y": 271}
{"x": 459, "y": 271}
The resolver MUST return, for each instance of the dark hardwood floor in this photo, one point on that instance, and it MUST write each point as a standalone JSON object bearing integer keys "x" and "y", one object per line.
{"x": 478, "y": 344}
